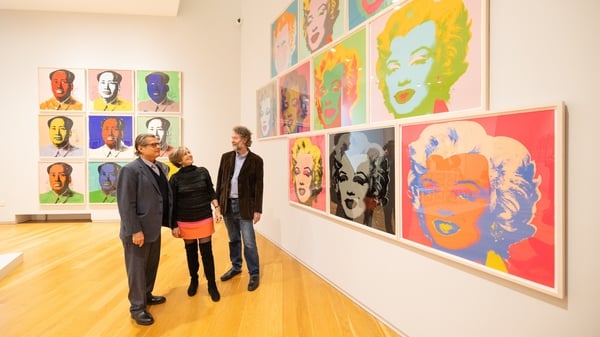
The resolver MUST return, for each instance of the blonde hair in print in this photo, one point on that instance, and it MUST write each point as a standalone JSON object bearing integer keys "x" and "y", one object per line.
{"x": 350, "y": 78}
{"x": 452, "y": 35}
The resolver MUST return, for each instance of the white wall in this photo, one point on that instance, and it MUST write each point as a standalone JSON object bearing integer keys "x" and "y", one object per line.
{"x": 203, "y": 42}
{"x": 541, "y": 52}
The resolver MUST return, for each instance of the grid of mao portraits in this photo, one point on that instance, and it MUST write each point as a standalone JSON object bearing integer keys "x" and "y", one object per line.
{"x": 351, "y": 62}
{"x": 483, "y": 189}
{"x": 88, "y": 121}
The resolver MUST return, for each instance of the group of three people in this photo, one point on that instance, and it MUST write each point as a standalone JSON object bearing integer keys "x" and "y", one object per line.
{"x": 147, "y": 200}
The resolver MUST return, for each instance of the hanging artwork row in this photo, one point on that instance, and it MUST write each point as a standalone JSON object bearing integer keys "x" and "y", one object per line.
{"x": 344, "y": 63}
{"x": 483, "y": 189}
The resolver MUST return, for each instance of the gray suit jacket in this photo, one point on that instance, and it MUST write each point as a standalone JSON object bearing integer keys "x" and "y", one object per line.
{"x": 140, "y": 202}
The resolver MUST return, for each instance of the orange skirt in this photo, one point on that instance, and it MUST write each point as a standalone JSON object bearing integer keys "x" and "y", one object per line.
{"x": 196, "y": 229}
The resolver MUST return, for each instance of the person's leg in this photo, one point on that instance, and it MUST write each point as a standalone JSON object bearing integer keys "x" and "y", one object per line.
{"x": 250, "y": 248}
{"x": 152, "y": 264}
{"x": 191, "y": 253}
{"x": 232, "y": 222}
{"x": 250, "y": 253}
{"x": 208, "y": 263}
{"x": 135, "y": 262}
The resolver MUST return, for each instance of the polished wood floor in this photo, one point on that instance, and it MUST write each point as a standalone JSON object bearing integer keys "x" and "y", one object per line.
{"x": 72, "y": 282}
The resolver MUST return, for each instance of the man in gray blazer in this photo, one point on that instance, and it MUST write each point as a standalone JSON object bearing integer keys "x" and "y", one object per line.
{"x": 144, "y": 199}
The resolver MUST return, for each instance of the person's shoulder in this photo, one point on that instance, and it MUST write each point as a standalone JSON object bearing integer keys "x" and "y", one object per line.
{"x": 254, "y": 156}
{"x": 134, "y": 164}
{"x": 202, "y": 169}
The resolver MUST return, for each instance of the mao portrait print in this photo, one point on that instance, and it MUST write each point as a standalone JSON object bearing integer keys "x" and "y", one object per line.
{"x": 158, "y": 91}
{"x": 427, "y": 57}
{"x": 62, "y": 136}
{"x": 110, "y": 90}
{"x": 61, "y": 183}
{"x": 166, "y": 129}
{"x": 61, "y": 89}
{"x": 110, "y": 136}
{"x": 482, "y": 190}
{"x": 360, "y": 177}
{"x": 102, "y": 181}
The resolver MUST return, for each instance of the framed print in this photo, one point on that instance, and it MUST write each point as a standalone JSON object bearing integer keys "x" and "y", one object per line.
{"x": 307, "y": 173}
{"x": 361, "y": 10}
{"x": 284, "y": 40}
{"x": 294, "y": 98}
{"x": 488, "y": 192}
{"x": 61, "y": 183}
{"x": 62, "y": 136}
{"x": 361, "y": 182}
{"x": 266, "y": 110}
{"x": 110, "y": 137}
{"x": 61, "y": 89}
{"x": 102, "y": 181}
{"x": 339, "y": 84}
{"x": 158, "y": 91}
{"x": 110, "y": 90}
{"x": 167, "y": 130}
{"x": 321, "y": 22}
{"x": 428, "y": 56}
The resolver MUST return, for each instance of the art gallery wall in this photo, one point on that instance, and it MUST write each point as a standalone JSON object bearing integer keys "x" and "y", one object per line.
{"x": 541, "y": 52}
{"x": 203, "y": 42}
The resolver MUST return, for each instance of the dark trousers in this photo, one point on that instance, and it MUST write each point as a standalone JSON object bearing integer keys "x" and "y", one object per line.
{"x": 141, "y": 264}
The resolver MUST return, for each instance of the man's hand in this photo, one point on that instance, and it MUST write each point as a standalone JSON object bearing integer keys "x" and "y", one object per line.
{"x": 138, "y": 238}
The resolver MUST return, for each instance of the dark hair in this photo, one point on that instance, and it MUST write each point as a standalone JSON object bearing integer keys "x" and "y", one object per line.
{"x": 68, "y": 121}
{"x": 140, "y": 140}
{"x": 164, "y": 78}
{"x": 116, "y": 166}
{"x": 120, "y": 122}
{"x": 70, "y": 75}
{"x": 68, "y": 168}
{"x": 116, "y": 75}
{"x": 165, "y": 122}
{"x": 245, "y": 133}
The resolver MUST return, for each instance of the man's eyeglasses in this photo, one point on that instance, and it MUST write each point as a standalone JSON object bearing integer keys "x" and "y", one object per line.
{"x": 153, "y": 144}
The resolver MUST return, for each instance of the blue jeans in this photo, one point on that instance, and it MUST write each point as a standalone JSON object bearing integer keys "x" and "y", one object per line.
{"x": 239, "y": 229}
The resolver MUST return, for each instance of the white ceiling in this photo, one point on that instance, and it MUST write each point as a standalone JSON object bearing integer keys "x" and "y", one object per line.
{"x": 130, "y": 7}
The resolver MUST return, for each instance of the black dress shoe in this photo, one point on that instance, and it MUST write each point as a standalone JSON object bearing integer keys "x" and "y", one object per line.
{"x": 229, "y": 274}
{"x": 153, "y": 300}
{"x": 253, "y": 284}
{"x": 142, "y": 318}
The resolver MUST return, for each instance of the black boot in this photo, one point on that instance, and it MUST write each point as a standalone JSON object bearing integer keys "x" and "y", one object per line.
{"x": 208, "y": 262}
{"x": 191, "y": 252}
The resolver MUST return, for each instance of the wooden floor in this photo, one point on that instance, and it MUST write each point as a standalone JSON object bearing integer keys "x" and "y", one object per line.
{"x": 72, "y": 282}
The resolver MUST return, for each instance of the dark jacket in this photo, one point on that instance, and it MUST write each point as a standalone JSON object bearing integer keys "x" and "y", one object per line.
{"x": 140, "y": 201}
{"x": 250, "y": 183}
